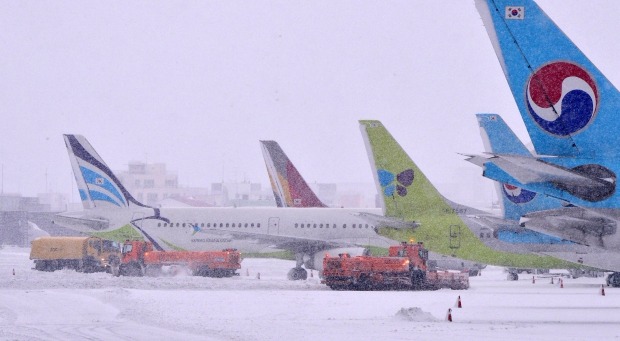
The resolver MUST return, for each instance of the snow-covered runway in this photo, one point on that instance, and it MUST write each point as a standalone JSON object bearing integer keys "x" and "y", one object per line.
{"x": 69, "y": 305}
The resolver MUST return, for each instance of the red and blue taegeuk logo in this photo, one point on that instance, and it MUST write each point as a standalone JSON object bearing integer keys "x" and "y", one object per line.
{"x": 562, "y": 98}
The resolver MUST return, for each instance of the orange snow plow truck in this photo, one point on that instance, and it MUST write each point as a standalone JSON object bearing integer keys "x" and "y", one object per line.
{"x": 404, "y": 268}
{"x": 139, "y": 259}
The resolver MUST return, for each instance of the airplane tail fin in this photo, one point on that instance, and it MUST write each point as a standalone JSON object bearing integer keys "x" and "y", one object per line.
{"x": 289, "y": 187}
{"x": 567, "y": 104}
{"x": 97, "y": 185}
{"x": 498, "y": 138}
{"x": 404, "y": 191}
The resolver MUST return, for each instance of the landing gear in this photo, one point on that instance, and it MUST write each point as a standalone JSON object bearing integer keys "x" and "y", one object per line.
{"x": 613, "y": 280}
{"x": 513, "y": 275}
{"x": 298, "y": 273}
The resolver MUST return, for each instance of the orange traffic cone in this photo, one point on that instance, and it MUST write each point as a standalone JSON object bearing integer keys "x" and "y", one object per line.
{"x": 551, "y": 280}
{"x": 602, "y": 290}
{"x": 449, "y": 317}
{"x": 561, "y": 283}
{"x": 458, "y": 302}
{"x": 533, "y": 280}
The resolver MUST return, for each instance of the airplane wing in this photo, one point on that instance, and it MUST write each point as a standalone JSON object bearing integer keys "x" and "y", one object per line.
{"x": 383, "y": 221}
{"x": 295, "y": 244}
{"x": 600, "y": 259}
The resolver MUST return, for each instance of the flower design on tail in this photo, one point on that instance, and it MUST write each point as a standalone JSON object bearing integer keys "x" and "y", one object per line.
{"x": 391, "y": 183}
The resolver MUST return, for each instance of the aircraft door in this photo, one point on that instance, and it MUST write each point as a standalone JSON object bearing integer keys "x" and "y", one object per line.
{"x": 455, "y": 236}
{"x": 273, "y": 226}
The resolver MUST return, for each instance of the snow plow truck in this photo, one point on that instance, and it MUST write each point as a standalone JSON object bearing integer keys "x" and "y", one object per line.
{"x": 83, "y": 254}
{"x": 404, "y": 268}
{"x": 140, "y": 259}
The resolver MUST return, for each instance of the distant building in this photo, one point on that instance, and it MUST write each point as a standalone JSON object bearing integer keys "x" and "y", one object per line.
{"x": 151, "y": 183}
{"x": 240, "y": 194}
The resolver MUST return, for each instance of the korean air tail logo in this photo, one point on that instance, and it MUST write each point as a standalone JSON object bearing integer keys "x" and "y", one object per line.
{"x": 562, "y": 98}
{"x": 517, "y": 195}
{"x": 404, "y": 179}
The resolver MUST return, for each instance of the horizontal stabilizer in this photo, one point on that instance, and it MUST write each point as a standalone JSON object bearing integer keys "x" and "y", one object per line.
{"x": 529, "y": 170}
{"x": 572, "y": 223}
{"x": 81, "y": 224}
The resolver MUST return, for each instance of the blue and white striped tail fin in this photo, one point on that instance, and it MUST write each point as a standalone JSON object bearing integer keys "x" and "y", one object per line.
{"x": 97, "y": 185}
{"x": 498, "y": 138}
{"x": 569, "y": 107}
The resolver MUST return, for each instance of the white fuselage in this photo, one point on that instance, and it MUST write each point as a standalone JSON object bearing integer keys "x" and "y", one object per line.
{"x": 255, "y": 229}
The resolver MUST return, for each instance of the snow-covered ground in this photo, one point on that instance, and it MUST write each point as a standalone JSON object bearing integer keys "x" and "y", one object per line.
{"x": 68, "y": 305}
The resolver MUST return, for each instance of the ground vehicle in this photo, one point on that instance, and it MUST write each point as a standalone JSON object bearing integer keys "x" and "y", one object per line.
{"x": 404, "y": 268}
{"x": 85, "y": 254}
{"x": 139, "y": 259}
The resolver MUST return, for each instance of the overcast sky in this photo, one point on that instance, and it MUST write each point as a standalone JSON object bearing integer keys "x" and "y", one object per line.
{"x": 196, "y": 84}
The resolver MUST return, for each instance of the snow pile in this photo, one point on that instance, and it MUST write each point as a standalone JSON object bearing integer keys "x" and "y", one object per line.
{"x": 415, "y": 314}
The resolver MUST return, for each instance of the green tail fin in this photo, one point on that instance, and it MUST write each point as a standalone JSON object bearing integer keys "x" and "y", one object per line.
{"x": 407, "y": 194}
{"x": 404, "y": 190}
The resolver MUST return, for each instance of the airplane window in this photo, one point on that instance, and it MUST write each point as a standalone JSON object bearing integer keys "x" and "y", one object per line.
{"x": 178, "y": 224}
{"x": 252, "y": 225}
{"x": 353, "y": 225}
{"x": 165, "y": 224}
{"x": 344, "y": 226}
{"x": 158, "y": 224}
{"x": 226, "y": 224}
{"x": 258, "y": 225}
{"x": 366, "y": 225}
{"x": 183, "y": 225}
{"x": 246, "y": 225}
{"x": 314, "y": 225}
{"x": 221, "y": 224}
{"x": 233, "y": 225}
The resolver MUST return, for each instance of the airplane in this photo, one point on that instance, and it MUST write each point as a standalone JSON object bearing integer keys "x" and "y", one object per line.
{"x": 292, "y": 190}
{"x": 110, "y": 211}
{"x": 569, "y": 109}
{"x": 447, "y": 227}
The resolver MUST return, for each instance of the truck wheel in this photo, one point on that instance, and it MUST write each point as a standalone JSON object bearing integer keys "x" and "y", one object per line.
{"x": 418, "y": 278}
{"x": 363, "y": 283}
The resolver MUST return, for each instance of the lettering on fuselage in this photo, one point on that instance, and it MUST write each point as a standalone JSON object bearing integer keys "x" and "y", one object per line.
{"x": 211, "y": 240}
{"x": 455, "y": 210}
